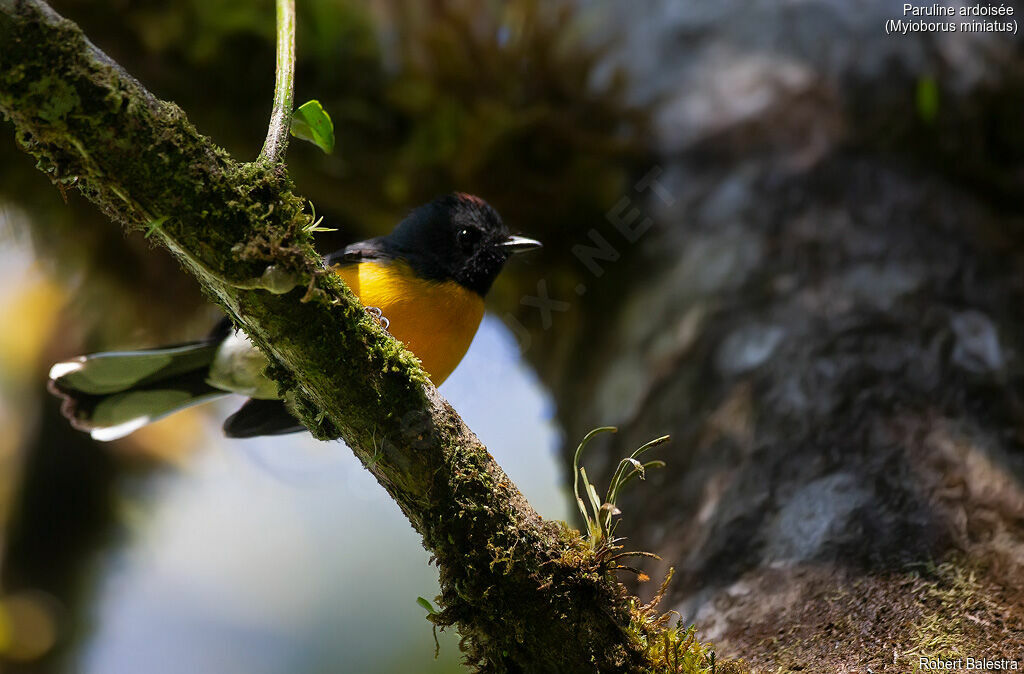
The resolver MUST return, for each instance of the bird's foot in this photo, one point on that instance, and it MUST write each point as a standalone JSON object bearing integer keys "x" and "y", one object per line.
{"x": 379, "y": 316}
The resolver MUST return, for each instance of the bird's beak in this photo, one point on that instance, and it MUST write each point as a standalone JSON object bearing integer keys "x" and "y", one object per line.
{"x": 519, "y": 244}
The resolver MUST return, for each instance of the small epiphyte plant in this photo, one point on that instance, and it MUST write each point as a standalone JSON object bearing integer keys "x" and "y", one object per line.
{"x": 313, "y": 225}
{"x": 672, "y": 649}
{"x": 683, "y": 653}
{"x": 431, "y": 612}
{"x": 602, "y": 517}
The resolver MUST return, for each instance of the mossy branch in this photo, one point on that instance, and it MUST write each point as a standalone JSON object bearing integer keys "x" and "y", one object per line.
{"x": 527, "y": 595}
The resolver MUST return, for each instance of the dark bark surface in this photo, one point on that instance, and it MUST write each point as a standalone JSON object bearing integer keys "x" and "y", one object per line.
{"x": 825, "y": 312}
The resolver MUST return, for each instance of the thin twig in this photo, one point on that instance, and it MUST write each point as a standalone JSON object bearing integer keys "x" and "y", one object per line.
{"x": 284, "y": 85}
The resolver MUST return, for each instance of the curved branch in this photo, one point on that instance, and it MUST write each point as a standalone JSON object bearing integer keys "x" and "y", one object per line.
{"x": 284, "y": 85}
{"x": 526, "y": 595}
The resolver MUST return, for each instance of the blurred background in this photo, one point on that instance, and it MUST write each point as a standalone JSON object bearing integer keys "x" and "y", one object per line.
{"x": 772, "y": 230}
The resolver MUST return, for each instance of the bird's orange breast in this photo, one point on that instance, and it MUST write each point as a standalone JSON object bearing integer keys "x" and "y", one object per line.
{"x": 436, "y": 320}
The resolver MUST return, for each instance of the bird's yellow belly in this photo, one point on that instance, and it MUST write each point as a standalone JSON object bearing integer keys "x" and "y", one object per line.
{"x": 436, "y": 320}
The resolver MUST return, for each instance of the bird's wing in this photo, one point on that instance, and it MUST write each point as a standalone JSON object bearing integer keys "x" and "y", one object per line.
{"x": 371, "y": 249}
{"x": 261, "y": 417}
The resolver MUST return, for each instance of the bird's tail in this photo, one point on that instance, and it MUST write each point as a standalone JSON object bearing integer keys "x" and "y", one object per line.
{"x": 112, "y": 394}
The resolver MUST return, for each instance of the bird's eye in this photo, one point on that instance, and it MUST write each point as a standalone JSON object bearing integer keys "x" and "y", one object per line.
{"x": 467, "y": 238}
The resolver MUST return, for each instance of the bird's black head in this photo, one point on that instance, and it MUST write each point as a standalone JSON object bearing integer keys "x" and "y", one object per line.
{"x": 457, "y": 237}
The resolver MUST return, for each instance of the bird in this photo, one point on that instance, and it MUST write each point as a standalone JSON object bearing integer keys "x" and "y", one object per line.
{"x": 425, "y": 282}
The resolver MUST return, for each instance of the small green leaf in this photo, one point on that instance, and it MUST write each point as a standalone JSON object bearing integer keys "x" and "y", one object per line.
{"x": 425, "y": 603}
{"x": 155, "y": 224}
{"x": 310, "y": 122}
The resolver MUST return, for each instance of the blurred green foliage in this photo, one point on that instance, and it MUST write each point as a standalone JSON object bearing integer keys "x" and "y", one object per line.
{"x": 927, "y": 99}
{"x": 501, "y": 99}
